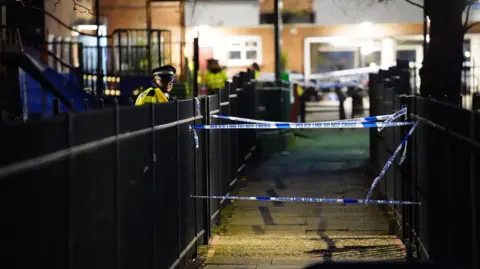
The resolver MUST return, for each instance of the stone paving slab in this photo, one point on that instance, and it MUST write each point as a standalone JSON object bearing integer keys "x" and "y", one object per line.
{"x": 264, "y": 234}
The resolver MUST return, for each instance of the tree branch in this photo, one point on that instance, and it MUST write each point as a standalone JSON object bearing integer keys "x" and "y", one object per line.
{"x": 465, "y": 25}
{"x": 466, "y": 16}
{"x": 76, "y": 6}
{"x": 413, "y": 3}
{"x": 471, "y": 25}
{"x": 85, "y": 9}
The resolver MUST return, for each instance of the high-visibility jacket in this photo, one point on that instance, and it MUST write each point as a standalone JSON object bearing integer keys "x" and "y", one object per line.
{"x": 257, "y": 74}
{"x": 151, "y": 95}
{"x": 215, "y": 80}
{"x": 299, "y": 90}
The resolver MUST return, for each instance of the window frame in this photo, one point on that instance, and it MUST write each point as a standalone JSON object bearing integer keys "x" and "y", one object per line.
{"x": 243, "y": 61}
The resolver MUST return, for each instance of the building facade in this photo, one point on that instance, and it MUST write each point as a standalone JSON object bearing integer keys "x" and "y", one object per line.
{"x": 317, "y": 35}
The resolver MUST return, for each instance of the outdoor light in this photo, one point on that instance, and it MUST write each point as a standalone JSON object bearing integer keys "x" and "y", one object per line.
{"x": 467, "y": 54}
{"x": 87, "y": 27}
{"x": 205, "y": 36}
{"x": 367, "y": 48}
{"x": 203, "y": 28}
{"x": 366, "y": 25}
{"x": 338, "y": 41}
{"x": 107, "y": 92}
{"x": 411, "y": 64}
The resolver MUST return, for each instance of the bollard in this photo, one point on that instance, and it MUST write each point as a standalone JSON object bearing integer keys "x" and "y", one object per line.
{"x": 71, "y": 102}
{"x": 100, "y": 103}
{"x": 115, "y": 101}
{"x": 130, "y": 101}
{"x": 85, "y": 101}
{"x": 56, "y": 107}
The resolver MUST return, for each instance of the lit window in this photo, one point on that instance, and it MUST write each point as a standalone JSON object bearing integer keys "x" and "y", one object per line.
{"x": 244, "y": 50}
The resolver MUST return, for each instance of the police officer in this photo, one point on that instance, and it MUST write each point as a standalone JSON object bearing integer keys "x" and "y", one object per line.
{"x": 162, "y": 84}
{"x": 255, "y": 68}
{"x": 215, "y": 77}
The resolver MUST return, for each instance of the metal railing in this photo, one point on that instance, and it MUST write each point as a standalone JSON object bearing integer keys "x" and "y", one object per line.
{"x": 441, "y": 171}
{"x": 111, "y": 187}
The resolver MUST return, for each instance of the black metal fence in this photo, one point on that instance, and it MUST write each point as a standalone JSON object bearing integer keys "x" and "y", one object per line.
{"x": 441, "y": 171}
{"x": 110, "y": 188}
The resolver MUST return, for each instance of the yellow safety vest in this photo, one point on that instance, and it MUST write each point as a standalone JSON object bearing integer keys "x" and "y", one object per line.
{"x": 215, "y": 81}
{"x": 257, "y": 74}
{"x": 299, "y": 90}
{"x": 151, "y": 95}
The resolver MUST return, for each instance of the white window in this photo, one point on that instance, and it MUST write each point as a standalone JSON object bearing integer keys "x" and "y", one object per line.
{"x": 244, "y": 50}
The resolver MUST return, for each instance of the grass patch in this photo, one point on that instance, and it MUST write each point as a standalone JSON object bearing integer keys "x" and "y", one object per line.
{"x": 225, "y": 218}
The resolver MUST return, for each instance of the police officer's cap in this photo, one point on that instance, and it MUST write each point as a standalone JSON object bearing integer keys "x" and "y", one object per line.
{"x": 165, "y": 71}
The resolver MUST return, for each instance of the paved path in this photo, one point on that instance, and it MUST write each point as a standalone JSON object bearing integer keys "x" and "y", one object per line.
{"x": 263, "y": 234}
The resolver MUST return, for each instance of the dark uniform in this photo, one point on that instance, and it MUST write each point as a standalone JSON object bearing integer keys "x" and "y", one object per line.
{"x": 158, "y": 93}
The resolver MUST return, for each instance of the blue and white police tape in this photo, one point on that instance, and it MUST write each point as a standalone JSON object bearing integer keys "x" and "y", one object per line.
{"x": 320, "y": 125}
{"x": 389, "y": 162}
{"x": 195, "y": 136}
{"x": 404, "y": 154}
{"x": 308, "y": 200}
{"x": 364, "y": 119}
{"x": 197, "y": 106}
{"x": 395, "y": 116}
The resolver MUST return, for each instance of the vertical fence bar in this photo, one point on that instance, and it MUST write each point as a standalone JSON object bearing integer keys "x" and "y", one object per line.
{"x": 194, "y": 149}
{"x": 177, "y": 107}
{"x": 56, "y": 107}
{"x": 70, "y": 190}
{"x": 206, "y": 165}
{"x": 116, "y": 190}
{"x": 154, "y": 196}
{"x": 195, "y": 66}
{"x": 473, "y": 195}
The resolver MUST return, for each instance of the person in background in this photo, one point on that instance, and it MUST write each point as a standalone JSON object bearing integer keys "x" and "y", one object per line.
{"x": 341, "y": 99}
{"x": 255, "y": 68}
{"x": 162, "y": 84}
{"x": 357, "y": 102}
{"x": 214, "y": 77}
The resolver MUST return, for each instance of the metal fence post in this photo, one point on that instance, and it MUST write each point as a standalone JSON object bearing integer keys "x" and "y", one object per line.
{"x": 70, "y": 190}
{"x": 194, "y": 149}
{"x": 407, "y": 183}
{"x": 206, "y": 172}
{"x": 116, "y": 189}
{"x": 154, "y": 196}
{"x": 177, "y": 107}
{"x": 56, "y": 107}
{"x": 473, "y": 196}
{"x": 101, "y": 103}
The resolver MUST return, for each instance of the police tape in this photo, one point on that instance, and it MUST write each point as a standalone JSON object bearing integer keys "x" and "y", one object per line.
{"x": 404, "y": 154}
{"x": 364, "y": 119}
{"x": 395, "y": 116}
{"x": 308, "y": 200}
{"x": 320, "y": 125}
{"x": 195, "y": 136}
{"x": 389, "y": 162}
{"x": 197, "y": 106}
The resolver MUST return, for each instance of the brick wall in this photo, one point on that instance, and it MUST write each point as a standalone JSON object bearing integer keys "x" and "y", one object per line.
{"x": 266, "y": 6}
{"x": 131, "y": 14}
